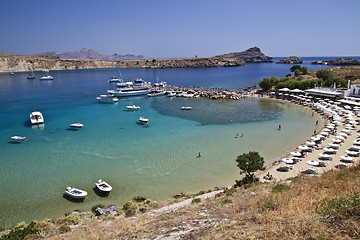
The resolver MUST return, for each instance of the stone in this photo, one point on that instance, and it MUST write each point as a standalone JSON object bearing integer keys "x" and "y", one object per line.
{"x": 109, "y": 210}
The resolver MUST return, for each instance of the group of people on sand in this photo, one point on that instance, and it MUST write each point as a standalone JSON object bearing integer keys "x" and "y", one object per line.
{"x": 269, "y": 177}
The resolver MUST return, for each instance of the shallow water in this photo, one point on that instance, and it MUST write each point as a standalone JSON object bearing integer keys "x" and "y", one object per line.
{"x": 157, "y": 160}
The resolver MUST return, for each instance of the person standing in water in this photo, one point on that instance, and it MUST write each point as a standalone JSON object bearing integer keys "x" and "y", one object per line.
{"x": 279, "y": 126}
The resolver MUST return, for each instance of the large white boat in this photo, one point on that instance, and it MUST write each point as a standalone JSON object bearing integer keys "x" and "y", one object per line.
{"x": 107, "y": 99}
{"x": 103, "y": 186}
{"x": 75, "y": 193}
{"x": 36, "y": 117}
{"x": 130, "y": 89}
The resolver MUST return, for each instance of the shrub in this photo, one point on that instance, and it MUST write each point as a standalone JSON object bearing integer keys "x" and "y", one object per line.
{"x": 341, "y": 207}
{"x": 139, "y": 199}
{"x": 280, "y": 188}
{"x": 226, "y": 201}
{"x": 130, "y": 209}
{"x": 93, "y": 209}
{"x": 70, "y": 219}
{"x": 21, "y": 231}
{"x": 196, "y": 200}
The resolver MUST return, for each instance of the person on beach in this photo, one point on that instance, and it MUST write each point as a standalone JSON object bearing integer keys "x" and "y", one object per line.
{"x": 242, "y": 134}
{"x": 237, "y": 135}
{"x": 279, "y": 127}
{"x": 199, "y": 155}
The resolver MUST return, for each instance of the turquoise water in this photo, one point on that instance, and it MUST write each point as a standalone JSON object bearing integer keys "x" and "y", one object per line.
{"x": 157, "y": 161}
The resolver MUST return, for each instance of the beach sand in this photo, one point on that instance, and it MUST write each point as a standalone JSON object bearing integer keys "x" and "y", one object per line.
{"x": 302, "y": 165}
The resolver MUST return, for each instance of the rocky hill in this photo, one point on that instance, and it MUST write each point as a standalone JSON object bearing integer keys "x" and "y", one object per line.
{"x": 339, "y": 62}
{"x": 89, "y": 59}
{"x": 252, "y": 55}
{"x": 87, "y": 53}
{"x": 290, "y": 60}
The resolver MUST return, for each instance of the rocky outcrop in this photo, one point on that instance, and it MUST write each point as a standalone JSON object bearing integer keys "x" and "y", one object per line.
{"x": 252, "y": 55}
{"x": 109, "y": 210}
{"x": 291, "y": 60}
{"x": 23, "y": 63}
{"x": 339, "y": 62}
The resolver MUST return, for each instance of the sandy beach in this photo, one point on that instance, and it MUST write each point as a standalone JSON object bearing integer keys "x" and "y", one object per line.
{"x": 302, "y": 164}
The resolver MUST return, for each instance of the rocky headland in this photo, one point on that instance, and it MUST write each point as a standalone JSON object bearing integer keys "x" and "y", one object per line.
{"x": 338, "y": 62}
{"x": 290, "y": 60}
{"x": 22, "y": 63}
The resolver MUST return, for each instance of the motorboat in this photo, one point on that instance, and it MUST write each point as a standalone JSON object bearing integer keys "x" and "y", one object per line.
{"x": 75, "y": 193}
{"x": 329, "y": 150}
{"x": 324, "y": 156}
{"x": 285, "y": 168}
{"x": 154, "y": 93}
{"x": 316, "y": 138}
{"x": 186, "y": 108}
{"x": 171, "y": 94}
{"x": 144, "y": 120}
{"x": 107, "y": 99}
{"x": 76, "y": 125}
{"x": 341, "y": 165}
{"x": 114, "y": 79}
{"x": 133, "y": 107}
{"x": 103, "y": 186}
{"x": 18, "y": 139}
{"x": 347, "y": 159}
{"x": 356, "y": 142}
{"x": 36, "y": 117}
{"x": 336, "y": 140}
{"x": 352, "y": 153}
{"x": 310, "y": 171}
{"x": 47, "y": 77}
{"x": 287, "y": 160}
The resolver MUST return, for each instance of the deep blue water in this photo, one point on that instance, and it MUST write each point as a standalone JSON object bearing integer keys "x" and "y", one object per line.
{"x": 157, "y": 161}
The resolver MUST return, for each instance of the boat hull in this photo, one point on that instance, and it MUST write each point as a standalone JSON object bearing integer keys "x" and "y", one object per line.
{"x": 128, "y": 93}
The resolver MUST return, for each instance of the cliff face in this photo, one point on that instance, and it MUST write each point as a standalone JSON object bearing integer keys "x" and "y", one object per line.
{"x": 23, "y": 63}
{"x": 252, "y": 55}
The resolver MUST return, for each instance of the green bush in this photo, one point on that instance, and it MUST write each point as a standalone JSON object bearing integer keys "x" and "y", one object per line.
{"x": 196, "y": 200}
{"x": 70, "y": 219}
{"x": 226, "y": 201}
{"x": 280, "y": 188}
{"x": 342, "y": 207}
{"x": 20, "y": 232}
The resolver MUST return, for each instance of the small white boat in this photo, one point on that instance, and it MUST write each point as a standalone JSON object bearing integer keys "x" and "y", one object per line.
{"x": 47, "y": 77}
{"x": 356, "y": 142}
{"x": 18, "y": 139}
{"x": 347, "y": 159}
{"x": 310, "y": 171}
{"x": 341, "y": 165}
{"x": 313, "y": 163}
{"x": 171, "y": 94}
{"x": 76, "y": 125}
{"x": 144, "y": 120}
{"x": 336, "y": 140}
{"x": 154, "y": 93}
{"x": 352, "y": 153}
{"x": 185, "y": 108}
{"x": 324, "y": 156}
{"x": 107, "y": 99}
{"x": 103, "y": 186}
{"x": 75, "y": 193}
{"x": 114, "y": 79}
{"x": 316, "y": 138}
{"x": 133, "y": 107}
{"x": 36, "y": 117}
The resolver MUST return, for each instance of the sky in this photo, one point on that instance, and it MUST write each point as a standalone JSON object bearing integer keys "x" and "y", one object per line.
{"x": 182, "y": 28}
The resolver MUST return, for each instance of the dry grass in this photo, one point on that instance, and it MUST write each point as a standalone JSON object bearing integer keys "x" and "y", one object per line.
{"x": 294, "y": 211}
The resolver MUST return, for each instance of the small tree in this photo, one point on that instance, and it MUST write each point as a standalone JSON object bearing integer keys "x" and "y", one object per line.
{"x": 248, "y": 164}
{"x": 295, "y": 67}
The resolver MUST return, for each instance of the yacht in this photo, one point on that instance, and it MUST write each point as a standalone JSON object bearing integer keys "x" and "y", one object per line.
{"x": 107, "y": 99}
{"x": 36, "y": 117}
{"x": 130, "y": 89}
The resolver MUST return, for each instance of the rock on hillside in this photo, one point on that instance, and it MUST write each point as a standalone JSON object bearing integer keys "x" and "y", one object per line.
{"x": 252, "y": 55}
{"x": 339, "y": 62}
{"x": 291, "y": 60}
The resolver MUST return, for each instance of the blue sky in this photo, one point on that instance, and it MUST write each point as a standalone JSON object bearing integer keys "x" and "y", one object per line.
{"x": 184, "y": 28}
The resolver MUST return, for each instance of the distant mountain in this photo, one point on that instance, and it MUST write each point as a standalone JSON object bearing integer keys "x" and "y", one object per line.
{"x": 87, "y": 53}
{"x": 252, "y": 55}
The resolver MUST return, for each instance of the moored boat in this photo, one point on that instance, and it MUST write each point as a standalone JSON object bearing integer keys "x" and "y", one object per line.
{"x": 129, "y": 89}
{"x": 144, "y": 120}
{"x": 47, "y": 77}
{"x": 107, "y": 99}
{"x": 133, "y": 107}
{"x": 103, "y": 186}
{"x": 154, "y": 93}
{"x": 76, "y": 125}
{"x": 186, "y": 108}
{"x": 36, "y": 117}
{"x": 18, "y": 139}
{"x": 75, "y": 193}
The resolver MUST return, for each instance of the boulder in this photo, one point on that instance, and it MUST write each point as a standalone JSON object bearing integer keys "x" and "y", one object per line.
{"x": 109, "y": 210}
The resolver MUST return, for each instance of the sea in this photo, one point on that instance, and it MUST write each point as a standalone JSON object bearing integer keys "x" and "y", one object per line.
{"x": 156, "y": 160}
